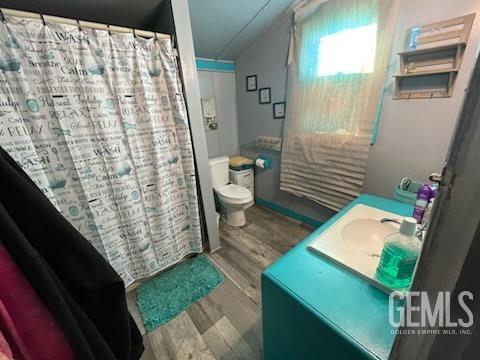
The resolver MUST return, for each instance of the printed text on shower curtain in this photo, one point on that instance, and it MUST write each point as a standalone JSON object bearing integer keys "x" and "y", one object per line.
{"x": 98, "y": 121}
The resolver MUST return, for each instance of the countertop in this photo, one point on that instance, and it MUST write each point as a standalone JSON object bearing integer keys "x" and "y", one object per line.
{"x": 355, "y": 309}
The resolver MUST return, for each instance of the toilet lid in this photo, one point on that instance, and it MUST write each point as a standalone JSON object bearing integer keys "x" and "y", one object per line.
{"x": 233, "y": 191}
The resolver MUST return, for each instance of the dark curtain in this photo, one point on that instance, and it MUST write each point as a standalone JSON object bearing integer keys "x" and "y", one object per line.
{"x": 82, "y": 291}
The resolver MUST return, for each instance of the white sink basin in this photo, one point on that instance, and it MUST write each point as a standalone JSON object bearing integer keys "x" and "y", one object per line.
{"x": 366, "y": 235}
{"x": 355, "y": 241}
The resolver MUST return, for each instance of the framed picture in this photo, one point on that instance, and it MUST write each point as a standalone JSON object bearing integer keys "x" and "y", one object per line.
{"x": 252, "y": 83}
{"x": 264, "y": 96}
{"x": 279, "y": 110}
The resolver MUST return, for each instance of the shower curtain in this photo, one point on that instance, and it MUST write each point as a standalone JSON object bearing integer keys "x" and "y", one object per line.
{"x": 98, "y": 121}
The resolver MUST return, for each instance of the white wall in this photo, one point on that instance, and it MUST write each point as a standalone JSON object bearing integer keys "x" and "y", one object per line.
{"x": 268, "y": 60}
{"x": 414, "y": 135}
{"x": 221, "y": 87}
{"x": 177, "y": 15}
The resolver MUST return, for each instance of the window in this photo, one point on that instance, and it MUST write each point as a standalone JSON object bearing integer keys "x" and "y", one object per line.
{"x": 350, "y": 51}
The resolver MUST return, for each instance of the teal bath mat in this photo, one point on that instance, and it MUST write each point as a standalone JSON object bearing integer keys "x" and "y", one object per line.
{"x": 165, "y": 296}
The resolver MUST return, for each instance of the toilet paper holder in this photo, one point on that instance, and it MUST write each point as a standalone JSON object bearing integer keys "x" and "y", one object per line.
{"x": 264, "y": 162}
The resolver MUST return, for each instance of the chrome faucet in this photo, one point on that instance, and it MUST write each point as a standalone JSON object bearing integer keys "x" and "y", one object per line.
{"x": 384, "y": 220}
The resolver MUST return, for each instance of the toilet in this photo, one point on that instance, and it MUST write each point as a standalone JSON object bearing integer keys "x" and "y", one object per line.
{"x": 233, "y": 198}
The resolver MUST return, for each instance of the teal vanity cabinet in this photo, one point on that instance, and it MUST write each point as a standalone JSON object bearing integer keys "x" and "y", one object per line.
{"x": 314, "y": 309}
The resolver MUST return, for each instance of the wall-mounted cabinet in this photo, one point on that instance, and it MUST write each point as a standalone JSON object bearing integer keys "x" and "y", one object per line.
{"x": 430, "y": 67}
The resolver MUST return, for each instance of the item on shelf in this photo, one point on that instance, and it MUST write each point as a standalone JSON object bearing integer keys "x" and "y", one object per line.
{"x": 413, "y": 35}
{"x": 241, "y": 163}
{"x": 410, "y": 68}
{"x": 269, "y": 142}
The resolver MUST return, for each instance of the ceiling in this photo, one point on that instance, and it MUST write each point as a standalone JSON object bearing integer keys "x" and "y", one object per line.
{"x": 139, "y": 14}
{"x": 224, "y": 29}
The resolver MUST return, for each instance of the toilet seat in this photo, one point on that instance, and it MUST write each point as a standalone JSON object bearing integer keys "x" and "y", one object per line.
{"x": 235, "y": 194}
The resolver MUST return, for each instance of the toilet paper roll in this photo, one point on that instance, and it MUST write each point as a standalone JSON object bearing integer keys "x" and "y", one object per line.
{"x": 260, "y": 163}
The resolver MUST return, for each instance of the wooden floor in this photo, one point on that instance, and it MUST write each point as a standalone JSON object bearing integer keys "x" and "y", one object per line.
{"x": 226, "y": 324}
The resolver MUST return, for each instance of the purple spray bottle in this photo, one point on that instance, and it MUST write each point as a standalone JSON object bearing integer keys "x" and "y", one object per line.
{"x": 421, "y": 203}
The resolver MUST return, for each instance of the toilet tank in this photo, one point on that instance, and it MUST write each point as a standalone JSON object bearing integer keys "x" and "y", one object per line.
{"x": 219, "y": 171}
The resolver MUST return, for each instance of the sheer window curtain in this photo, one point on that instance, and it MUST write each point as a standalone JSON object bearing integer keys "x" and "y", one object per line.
{"x": 338, "y": 61}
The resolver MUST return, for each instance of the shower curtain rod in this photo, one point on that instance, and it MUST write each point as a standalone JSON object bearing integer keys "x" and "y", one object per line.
{"x": 83, "y": 24}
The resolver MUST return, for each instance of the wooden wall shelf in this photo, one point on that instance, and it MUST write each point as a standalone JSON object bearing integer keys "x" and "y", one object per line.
{"x": 430, "y": 70}
{"x": 431, "y": 50}
{"x": 427, "y": 73}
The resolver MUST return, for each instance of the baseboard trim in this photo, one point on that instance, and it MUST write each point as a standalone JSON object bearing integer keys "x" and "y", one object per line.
{"x": 288, "y": 212}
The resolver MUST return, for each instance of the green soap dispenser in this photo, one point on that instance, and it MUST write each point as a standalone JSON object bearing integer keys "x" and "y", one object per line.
{"x": 399, "y": 256}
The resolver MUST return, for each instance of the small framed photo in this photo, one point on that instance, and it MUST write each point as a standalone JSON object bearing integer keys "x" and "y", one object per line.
{"x": 252, "y": 83}
{"x": 264, "y": 96}
{"x": 279, "y": 110}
